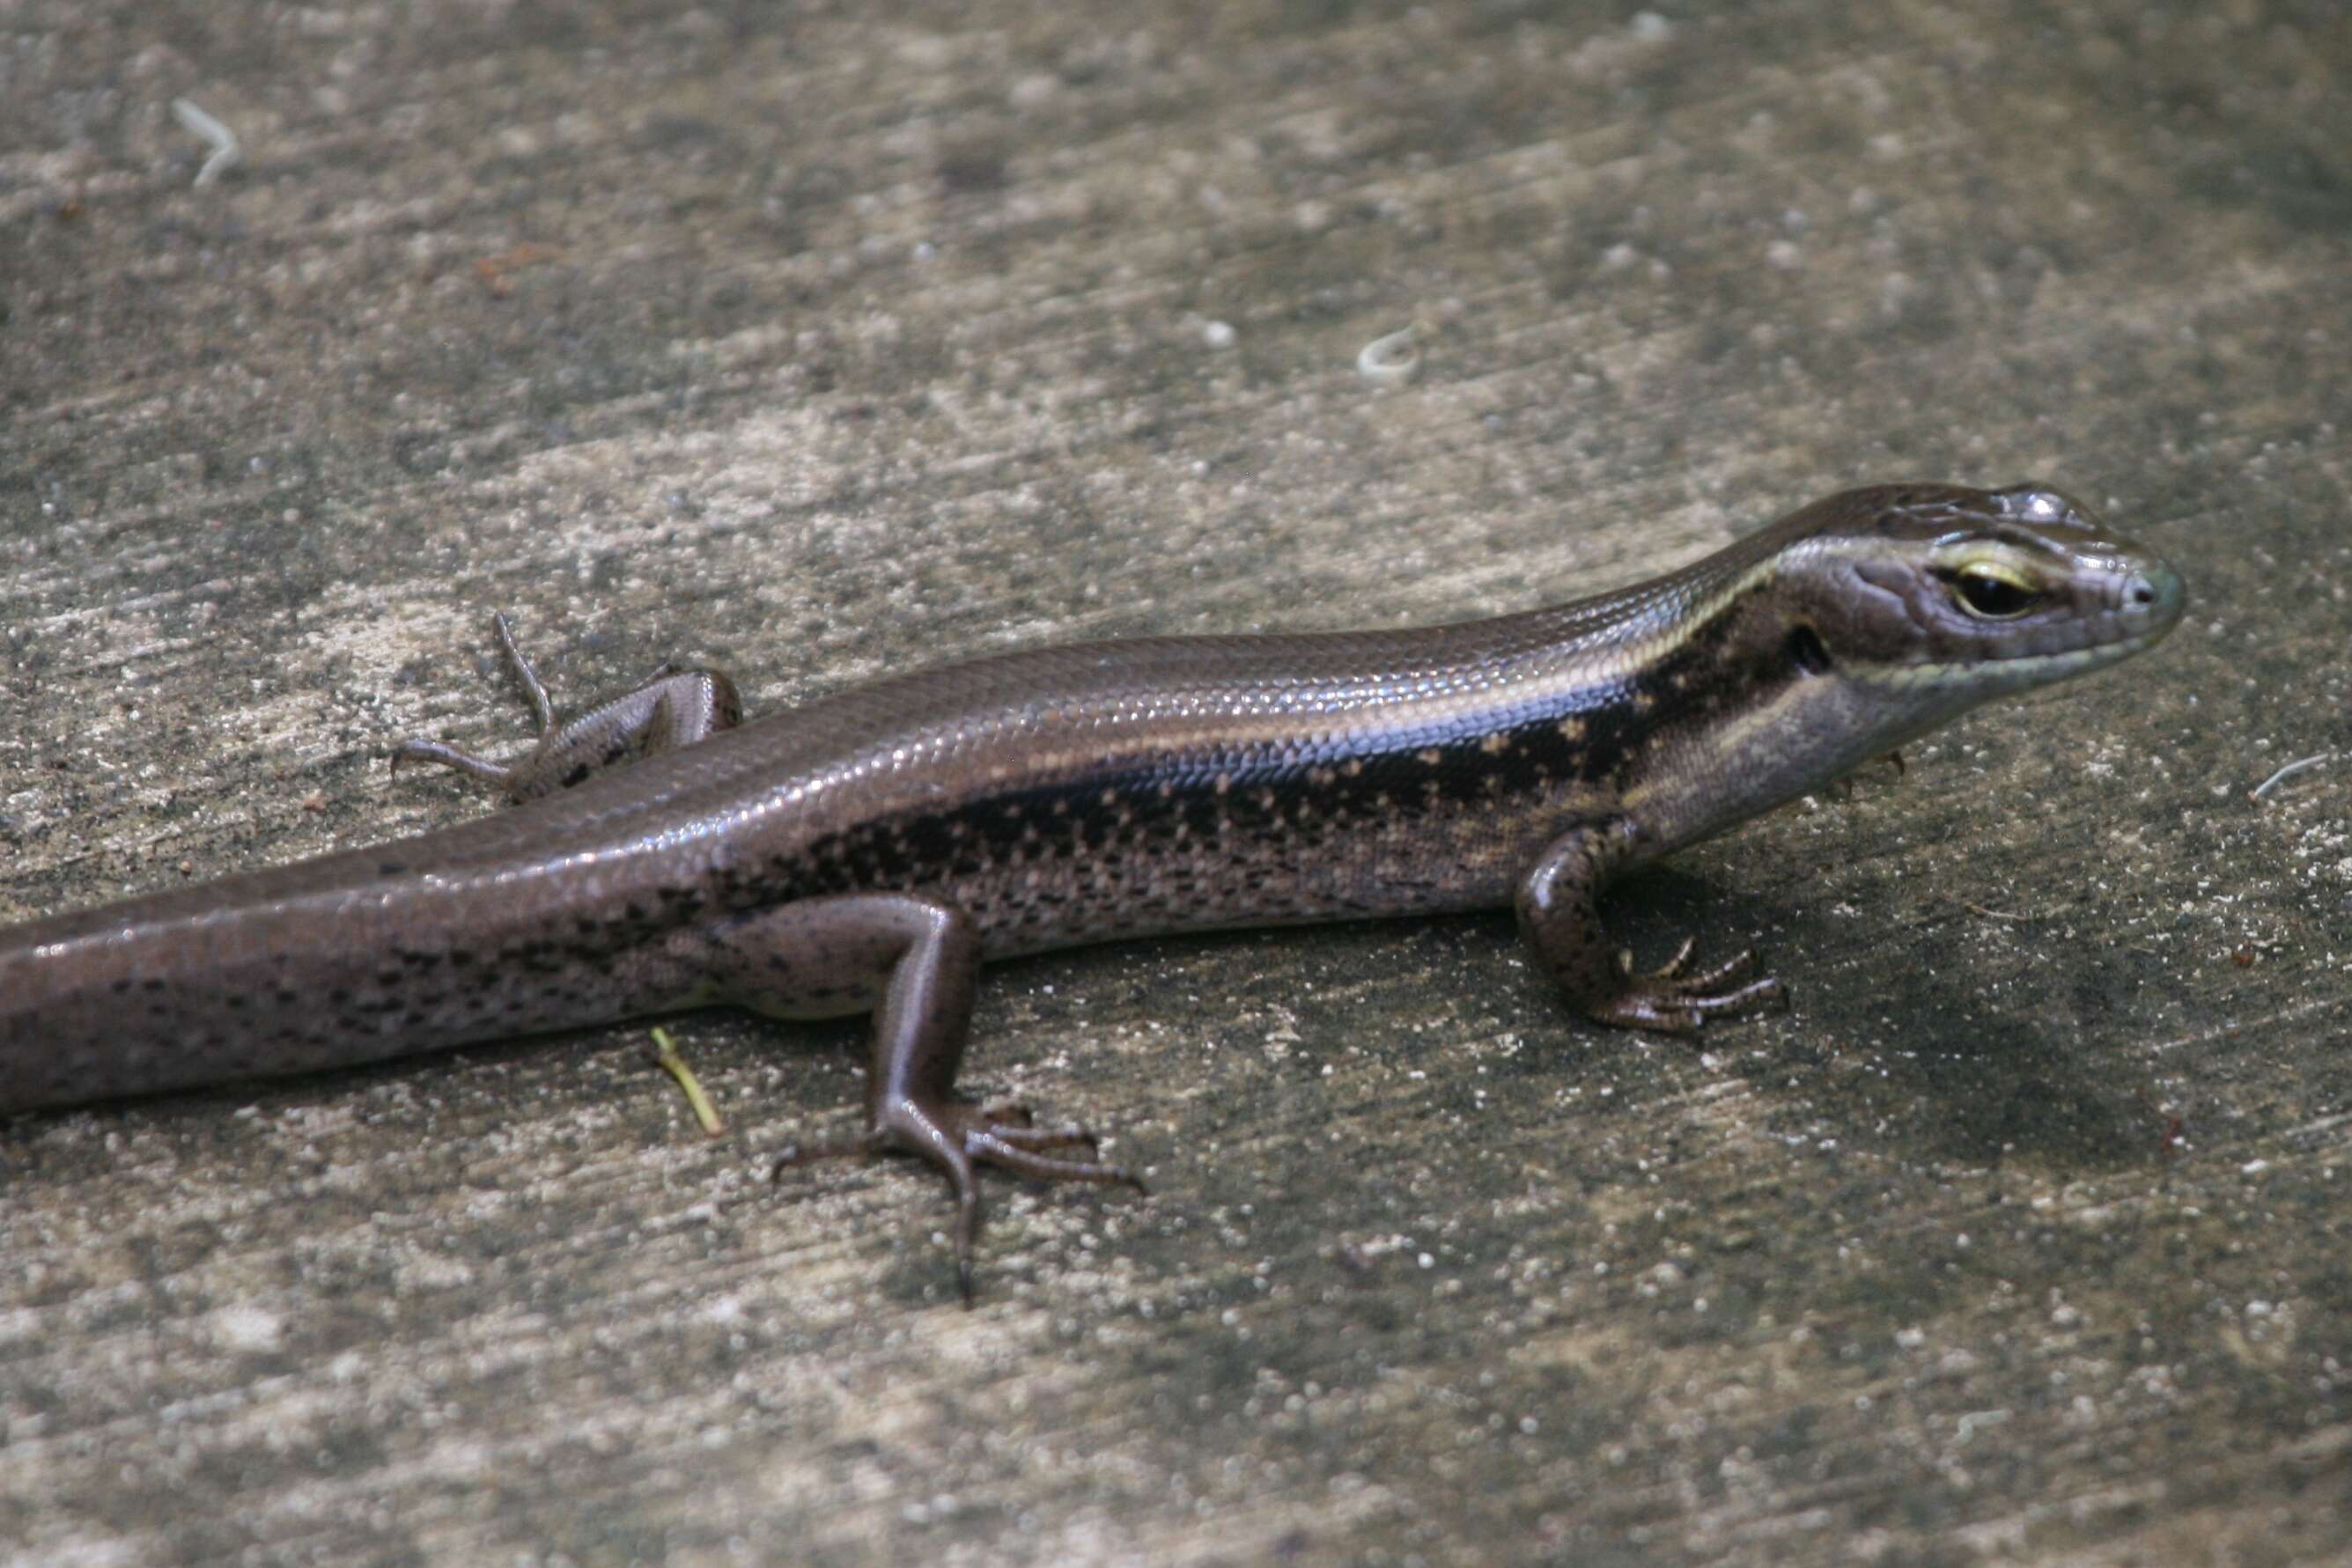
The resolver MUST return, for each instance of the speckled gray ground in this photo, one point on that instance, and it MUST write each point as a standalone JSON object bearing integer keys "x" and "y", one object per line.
{"x": 821, "y": 343}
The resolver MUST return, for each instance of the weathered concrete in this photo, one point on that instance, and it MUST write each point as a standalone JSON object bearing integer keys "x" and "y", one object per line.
{"x": 822, "y": 344}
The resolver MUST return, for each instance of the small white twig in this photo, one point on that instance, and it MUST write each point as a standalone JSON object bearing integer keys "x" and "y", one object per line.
{"x": 227, "y": 152}
{"x": 1391, "y": 361}
{"x": 2289, "y": 771}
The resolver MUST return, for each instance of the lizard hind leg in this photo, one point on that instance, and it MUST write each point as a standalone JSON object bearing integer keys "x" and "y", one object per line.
{"x": 922, "y": 957}
{"x": 676, "y": 707}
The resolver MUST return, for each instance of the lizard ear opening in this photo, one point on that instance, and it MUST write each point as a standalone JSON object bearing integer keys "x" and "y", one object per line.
{"x": 1806, "y": 651}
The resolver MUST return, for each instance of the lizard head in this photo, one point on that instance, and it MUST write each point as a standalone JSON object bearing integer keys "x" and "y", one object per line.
{"x": 1858, "y": 624}
{"x": 1947, "y": 596}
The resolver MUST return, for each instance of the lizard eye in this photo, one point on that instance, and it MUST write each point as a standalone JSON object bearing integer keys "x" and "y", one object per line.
{"x": 1993, "y": 595}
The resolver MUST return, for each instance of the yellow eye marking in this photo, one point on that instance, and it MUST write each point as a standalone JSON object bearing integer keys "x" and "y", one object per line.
{"x": 2000, "y": 572}
{"x": 1991, "y": 584}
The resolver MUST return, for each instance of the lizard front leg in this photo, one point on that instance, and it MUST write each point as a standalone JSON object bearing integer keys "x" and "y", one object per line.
{"x": 1560, "y": 916}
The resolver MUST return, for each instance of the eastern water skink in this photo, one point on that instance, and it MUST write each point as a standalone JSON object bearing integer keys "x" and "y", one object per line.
{"x": 868, "y": 851}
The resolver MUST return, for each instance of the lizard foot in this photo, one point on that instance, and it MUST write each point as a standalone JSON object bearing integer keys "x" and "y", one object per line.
{"x": 1667, "y": 999}
{"x": 958, "y": 1138}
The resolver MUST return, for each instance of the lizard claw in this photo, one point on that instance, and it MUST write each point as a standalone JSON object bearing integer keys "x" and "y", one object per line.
{"x": 1672, "y": 1002}
{"x": 958, "y": 1138}
{"x": 1672, "y": 967}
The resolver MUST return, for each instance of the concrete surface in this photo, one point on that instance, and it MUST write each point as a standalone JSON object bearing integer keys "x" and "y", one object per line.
{"x": 819, "y": 339}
